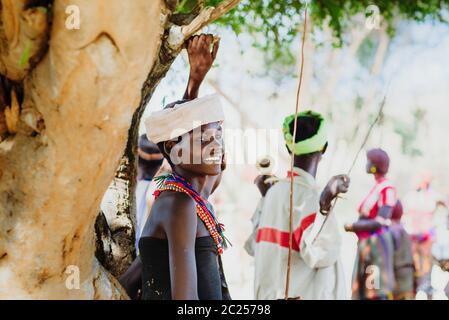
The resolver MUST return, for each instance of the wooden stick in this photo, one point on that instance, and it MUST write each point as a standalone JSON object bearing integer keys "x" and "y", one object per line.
{"x": 301, "y": 71}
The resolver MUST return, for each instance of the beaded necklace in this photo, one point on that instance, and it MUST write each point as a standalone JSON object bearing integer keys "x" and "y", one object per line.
{"x": 204, "y": 209}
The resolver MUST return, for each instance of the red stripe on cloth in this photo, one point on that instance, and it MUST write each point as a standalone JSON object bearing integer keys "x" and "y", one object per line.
{"x": 289, "y": 174}
{"x": 388, "y": 196}
{"x": 383, "y": 197}
{"x": 275, "y": 236}
{"x": 281, "y": 237}
{"x": 305, "y": 223}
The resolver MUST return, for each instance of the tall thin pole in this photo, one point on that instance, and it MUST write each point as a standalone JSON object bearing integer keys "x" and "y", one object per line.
{"x": 301, "y": 71}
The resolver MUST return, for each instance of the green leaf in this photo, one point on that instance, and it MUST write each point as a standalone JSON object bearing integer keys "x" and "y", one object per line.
{"x": 26, "y": 55}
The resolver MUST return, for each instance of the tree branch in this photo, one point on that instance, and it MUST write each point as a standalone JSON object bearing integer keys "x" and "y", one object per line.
{"x": 178, "y": 35}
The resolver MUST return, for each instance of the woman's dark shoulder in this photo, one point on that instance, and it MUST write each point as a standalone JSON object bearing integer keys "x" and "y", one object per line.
{"x": 174, "y": 204}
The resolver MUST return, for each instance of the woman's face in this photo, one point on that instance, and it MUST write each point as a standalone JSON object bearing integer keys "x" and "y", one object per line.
{"x": 200, "y": 151}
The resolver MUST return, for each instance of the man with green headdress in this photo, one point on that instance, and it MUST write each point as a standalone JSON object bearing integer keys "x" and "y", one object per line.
{"x": 316, "y": 269}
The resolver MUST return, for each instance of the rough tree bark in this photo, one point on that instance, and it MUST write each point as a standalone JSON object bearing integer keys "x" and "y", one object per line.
{"x": 66, "y": 105}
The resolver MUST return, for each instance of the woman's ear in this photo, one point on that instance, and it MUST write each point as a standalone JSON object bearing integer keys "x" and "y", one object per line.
{"x": 168, "y": 146}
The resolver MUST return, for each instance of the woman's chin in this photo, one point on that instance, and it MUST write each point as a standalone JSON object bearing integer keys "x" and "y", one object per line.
{"x": 207, "y": 169}
{"x": 212, "y": 169}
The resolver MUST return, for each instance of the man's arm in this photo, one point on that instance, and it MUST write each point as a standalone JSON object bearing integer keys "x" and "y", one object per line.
{"x": 262, "y": 185}
{"x": 201, "y": 58}
{"x": 371, "y": 225}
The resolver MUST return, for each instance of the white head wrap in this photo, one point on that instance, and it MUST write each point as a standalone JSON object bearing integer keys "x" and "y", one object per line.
{"x": 173, "y": 122}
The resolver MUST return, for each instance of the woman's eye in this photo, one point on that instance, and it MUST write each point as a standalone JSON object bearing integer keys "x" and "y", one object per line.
{"x": 212, "y": 137}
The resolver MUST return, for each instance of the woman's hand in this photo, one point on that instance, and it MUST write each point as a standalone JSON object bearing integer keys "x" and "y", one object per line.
{"x": 201, "y": 56}
{"x": 202, "y": 51}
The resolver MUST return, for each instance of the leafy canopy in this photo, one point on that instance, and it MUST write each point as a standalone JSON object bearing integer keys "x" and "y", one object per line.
{"x": 275, "y": 23}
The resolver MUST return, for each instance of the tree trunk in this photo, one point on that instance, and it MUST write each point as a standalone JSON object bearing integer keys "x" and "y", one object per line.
{"x": 75, "y": 113}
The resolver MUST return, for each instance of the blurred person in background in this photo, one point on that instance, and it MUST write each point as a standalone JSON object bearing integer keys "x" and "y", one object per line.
{"x": 420, "y": 206}
{"x": 150, "y": 160}
{"x": 373, "y": 277}
{"x": 404, "y": 269}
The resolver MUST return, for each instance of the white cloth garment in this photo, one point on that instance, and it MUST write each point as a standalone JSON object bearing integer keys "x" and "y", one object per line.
{"x": 316, "y": 268}
{"x": 250, "y": 243}
{"x": 171, "y": 123}
{"x": 142, "y": 198}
